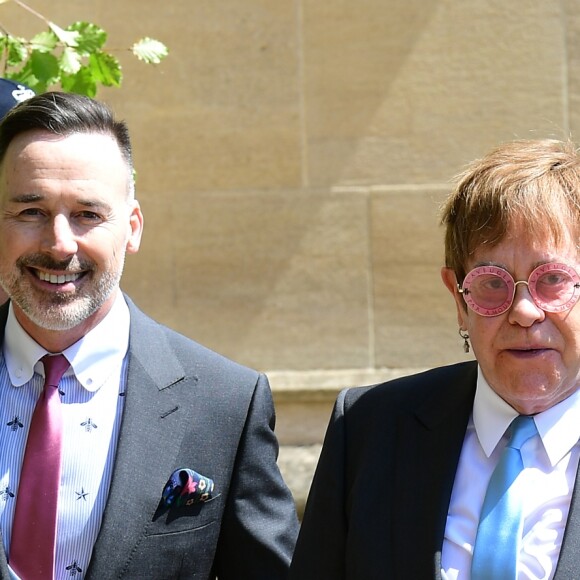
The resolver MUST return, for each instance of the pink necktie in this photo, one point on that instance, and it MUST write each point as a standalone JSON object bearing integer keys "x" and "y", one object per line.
{"x": 33, "y": 540}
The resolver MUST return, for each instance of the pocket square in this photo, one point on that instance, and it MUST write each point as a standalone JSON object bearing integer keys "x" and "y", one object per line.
{"x": 187, "y": 487}
{"x": 184, "y": 494}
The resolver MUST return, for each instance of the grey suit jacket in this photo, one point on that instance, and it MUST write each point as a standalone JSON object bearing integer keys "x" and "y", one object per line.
{"x": 378, "y": 504}
{"x": 189, "y": 407}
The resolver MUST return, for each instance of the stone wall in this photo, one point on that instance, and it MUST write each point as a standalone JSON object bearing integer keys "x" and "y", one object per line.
{"x": 291, "y": 160}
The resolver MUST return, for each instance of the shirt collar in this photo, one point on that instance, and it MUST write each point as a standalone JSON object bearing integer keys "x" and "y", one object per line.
{"x": 106, "y": 344}
{"x": 558, "y": 426}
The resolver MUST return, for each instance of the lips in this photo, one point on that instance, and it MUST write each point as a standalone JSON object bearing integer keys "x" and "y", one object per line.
{"x": 524, "y": 348}
{"x": 525, "y": 352}
{"x": 50, "y": 271}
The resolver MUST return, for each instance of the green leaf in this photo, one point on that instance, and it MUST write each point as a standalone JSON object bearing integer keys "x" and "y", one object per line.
{"x": 70, "y": 61}
{"x": 17, "y": 52}
{"x": 106, "y": 69}
{"x": 67, "y": 37}
{"x": 149, "y": 50}
{"x": 44, "y": 67}
{"x": 82, "y": 83}
{"x": 25, "y": 75}
{"x": 44, "y": 41}
{"x": 90, "y": 37}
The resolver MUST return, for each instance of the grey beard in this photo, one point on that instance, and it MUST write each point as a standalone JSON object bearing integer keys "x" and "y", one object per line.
{"x": 60, "y": 311}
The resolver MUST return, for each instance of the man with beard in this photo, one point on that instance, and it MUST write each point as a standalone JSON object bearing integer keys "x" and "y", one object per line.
{"x": 154, "y": 457}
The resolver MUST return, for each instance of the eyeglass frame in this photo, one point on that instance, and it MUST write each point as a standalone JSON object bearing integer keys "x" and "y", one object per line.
{"x": 512, "y": 286}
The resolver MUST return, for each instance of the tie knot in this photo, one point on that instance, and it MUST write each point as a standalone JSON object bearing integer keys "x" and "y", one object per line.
{"x": 54, "y": 367}
{"x": 522, "y": 428}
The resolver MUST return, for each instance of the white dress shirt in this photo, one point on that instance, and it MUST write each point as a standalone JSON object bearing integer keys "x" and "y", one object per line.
{"x": 92, "y": 406}
{"x": 546, "y": 484}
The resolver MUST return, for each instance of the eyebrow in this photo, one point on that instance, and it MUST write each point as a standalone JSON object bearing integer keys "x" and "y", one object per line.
{"x": 534, "y": 265}
{"x": 26, "y": 198}
{"x": 89, "y": 203}
{"x": 36, "y": 197}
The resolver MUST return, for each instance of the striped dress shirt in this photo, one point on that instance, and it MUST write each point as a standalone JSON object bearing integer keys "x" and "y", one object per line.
{"x": 92, "y": 395}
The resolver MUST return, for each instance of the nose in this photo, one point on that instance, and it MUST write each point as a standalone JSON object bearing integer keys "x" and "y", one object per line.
{"x": 524, "y": 311}
{"x": 60, "y": 240}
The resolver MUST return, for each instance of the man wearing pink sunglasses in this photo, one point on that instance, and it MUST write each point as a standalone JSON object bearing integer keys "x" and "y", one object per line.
{"x": 470, "y": 471}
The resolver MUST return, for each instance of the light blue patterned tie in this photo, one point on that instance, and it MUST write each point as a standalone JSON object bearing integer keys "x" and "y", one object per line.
{"x": 495, "y": 554}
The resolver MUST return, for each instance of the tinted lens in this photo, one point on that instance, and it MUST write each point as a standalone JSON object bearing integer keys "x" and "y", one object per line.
{"x": 489, "y": 291}
{"x": 554, "y": 287}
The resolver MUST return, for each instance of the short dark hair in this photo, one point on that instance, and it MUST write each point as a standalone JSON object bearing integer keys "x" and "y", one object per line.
{"x": 64, "y": 114}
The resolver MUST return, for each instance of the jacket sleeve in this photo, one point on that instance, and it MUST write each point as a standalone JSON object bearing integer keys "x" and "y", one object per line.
{"x": 320, "y": 550}
{"x": 259, "y": 526}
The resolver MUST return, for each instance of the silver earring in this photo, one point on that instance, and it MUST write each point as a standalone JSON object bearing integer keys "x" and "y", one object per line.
{"x": 465, "y": 336}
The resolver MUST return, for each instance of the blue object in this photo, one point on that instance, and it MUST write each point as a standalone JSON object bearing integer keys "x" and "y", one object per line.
{"x": 496, "y": 550}
{"x": 12, "y": 93}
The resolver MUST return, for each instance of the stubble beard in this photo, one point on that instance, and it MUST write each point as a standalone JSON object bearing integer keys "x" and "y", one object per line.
{"x": 60, "y": 311}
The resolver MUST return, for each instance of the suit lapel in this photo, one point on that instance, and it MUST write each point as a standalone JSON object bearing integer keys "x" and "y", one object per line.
{"x": 147, "y": 447}
{"x": 429, "y": 447}
{"x": 569, "y": 560}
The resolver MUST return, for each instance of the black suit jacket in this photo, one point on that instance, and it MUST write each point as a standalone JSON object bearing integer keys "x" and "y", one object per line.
{"x": 189, "y": 407}
{"x": 378, "y": 503}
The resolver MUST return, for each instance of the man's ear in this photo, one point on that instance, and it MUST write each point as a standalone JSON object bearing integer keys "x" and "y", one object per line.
{"x": 450, "y": 280}
{"x": 136, "y": 231}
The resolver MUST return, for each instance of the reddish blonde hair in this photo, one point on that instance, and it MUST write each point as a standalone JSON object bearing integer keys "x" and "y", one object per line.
{"x": 534, "y": 183}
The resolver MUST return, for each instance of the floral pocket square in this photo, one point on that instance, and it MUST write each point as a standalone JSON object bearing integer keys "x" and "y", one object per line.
{"x": 185, "y": 488}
